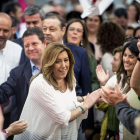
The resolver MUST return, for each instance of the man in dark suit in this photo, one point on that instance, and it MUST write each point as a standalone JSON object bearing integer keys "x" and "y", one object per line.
{"x": 33, "y": 16}
{"x": 18, "y": 82}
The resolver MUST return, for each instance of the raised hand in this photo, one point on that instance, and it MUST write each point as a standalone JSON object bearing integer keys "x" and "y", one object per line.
{"x": 101, "y": 75}
{"x": 113, "y": 97}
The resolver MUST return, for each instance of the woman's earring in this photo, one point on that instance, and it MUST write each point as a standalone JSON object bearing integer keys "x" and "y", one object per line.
{"x": 81, "y": 43}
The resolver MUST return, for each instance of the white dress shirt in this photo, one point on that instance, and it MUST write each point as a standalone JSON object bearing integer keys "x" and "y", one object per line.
{"x": 9, "y": 59}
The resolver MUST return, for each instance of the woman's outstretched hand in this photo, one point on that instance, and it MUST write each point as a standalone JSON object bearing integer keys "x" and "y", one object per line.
{"x": 91, "y": 99}
{"x": 101, "y": 75}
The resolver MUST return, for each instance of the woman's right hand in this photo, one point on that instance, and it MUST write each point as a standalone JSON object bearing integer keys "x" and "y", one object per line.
{"x": 101, "y": 75}
{"x": 91, "y": 99}
{"x": 17, "y": 127}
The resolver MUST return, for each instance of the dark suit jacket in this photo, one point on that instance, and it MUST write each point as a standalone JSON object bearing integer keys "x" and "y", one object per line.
{"x": 17, "y": 84}
{"x": 127, "y": 115}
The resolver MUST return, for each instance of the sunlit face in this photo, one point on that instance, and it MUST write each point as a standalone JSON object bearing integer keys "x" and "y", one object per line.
{"x": 93, "y": 24}
{"x": 129, "y": 33}
{"x": 33, "y": 21}
{"x": 131, "y": 12}
{"x": 61, "y": 66}
{"x": 33, "y": 47}
{"x": 116, "y": 61}
{"x": 5, "y": 31}
{"x": 52, "y": 30}
{"x": 129, "y": 61}
{"x": 75, "y": 33}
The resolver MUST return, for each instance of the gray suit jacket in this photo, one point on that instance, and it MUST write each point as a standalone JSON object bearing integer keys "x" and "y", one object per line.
{"x": 127, "y": 115}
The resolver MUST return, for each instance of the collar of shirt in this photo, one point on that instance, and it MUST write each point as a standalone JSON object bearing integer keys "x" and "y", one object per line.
{"x": 34, "y": 68}
{"x": 3, "y": 51}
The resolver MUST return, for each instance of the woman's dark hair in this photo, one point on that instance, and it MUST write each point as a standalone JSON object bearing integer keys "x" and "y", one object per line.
{"x": 110, "y": 35}
{"x": 137, "y": 10}
{"x": 100, "y": 18}
{"x": 86, "y": 44}
{"x": 135, "y": 30}
{"x": 132, "y": 46}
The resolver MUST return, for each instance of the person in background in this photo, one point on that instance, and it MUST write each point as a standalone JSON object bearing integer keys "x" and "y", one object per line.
{"x": 129, "y": 31}
{"x": 137, "y": 32}
{"x": 117, "y": 56}
{"x": 33, "y": 16}
{"x": 14, "y": 9}
{"x": 14, "y": 29}
{"x": 76, "y": 34}
{"x": 110, "y": 36}
{"x": 52, "y": 97}
{"x": 121, "y": 17}
{"x": 93, "y": 25}
{"x": 73, "y": 14}
{"x": 59, "y": 8}
{"x": 133, "y": 16}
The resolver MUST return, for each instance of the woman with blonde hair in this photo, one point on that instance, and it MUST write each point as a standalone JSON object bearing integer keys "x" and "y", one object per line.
{"x": 52, "y": 108}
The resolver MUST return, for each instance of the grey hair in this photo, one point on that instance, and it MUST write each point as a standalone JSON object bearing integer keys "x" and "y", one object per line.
{"x": 34, "y": 9}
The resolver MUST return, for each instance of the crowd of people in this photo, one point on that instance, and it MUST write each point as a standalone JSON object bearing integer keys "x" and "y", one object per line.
{"x": 67, "y": 78}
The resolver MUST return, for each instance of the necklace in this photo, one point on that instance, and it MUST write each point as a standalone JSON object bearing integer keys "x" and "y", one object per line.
{"x": 62, "y": 91}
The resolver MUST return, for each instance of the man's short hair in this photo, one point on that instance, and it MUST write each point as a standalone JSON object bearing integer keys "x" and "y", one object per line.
{"x": 34, "y": 9}
{"x": 11, "y": 7}
{"x": 52, "y": 15}
{"x": 121, "y": 12}
{"x": 34, "y": 31}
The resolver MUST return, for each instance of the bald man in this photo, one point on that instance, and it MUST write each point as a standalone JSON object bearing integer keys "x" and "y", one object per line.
{"x": 10, "y": 53}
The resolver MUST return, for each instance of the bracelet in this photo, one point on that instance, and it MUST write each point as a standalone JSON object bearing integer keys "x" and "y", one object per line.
{"x": 5, "y": 132}
{"x": 82, "y": 109}
{"x": 82, "y": 98}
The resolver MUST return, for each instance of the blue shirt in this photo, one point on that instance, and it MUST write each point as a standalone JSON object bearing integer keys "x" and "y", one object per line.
{"x": 34, "y": 68}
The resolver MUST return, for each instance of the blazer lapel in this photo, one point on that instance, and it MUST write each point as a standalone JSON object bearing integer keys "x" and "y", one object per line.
{"x": 28, "y": 72}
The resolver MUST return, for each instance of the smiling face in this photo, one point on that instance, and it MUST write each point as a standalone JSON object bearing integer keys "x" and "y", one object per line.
{"x": 5, "y": 29}
{"x": 93, "y": 24}
{"x": 34, "y": 47}
{"x": 75, "y": 33}
{"x": 129, "y": 61}
{"x": 61, "y": 66}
